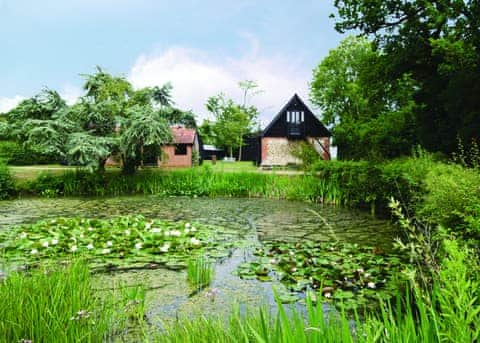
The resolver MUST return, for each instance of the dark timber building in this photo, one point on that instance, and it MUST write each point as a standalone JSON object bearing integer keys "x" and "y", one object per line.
{"x": 294, "y": 123}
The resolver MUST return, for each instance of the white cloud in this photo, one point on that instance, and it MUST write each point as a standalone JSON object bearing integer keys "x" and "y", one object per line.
{"x": 6, "y": 103}
{"x": 70, "y": 94}
{"x": 197, "y": 75}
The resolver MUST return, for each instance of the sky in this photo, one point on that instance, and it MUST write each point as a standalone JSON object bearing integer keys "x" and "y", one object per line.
{"x": 201, "y": 47}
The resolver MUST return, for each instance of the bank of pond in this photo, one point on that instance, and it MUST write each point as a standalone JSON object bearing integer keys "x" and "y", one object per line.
{"x": 199, "y": 256}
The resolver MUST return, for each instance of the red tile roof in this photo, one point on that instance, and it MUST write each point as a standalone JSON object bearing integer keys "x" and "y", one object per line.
{"x": 182, "y": 135}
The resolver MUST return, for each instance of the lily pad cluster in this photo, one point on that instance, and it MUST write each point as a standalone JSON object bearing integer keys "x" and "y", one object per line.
{"x": 337, "y": 271}
{"x": 130, "y": 239}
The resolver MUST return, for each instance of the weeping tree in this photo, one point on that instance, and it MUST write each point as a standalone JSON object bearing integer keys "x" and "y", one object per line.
{"x": 110, "y": 118}
{"x": 144, "y": 127}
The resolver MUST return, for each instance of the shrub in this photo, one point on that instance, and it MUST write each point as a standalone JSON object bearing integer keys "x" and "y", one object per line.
{"x": 15, "y": 154}
{"x": 7, "y": 184}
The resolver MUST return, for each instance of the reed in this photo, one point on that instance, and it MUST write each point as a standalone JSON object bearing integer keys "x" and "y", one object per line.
{"x": 199, "y": 272}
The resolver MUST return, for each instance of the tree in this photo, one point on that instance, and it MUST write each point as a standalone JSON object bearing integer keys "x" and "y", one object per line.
{"x": 144, "y": 127}
{"x": 370, "y": 118}
{"x": 438, "y": 44}
{"x": 232, "y": 122}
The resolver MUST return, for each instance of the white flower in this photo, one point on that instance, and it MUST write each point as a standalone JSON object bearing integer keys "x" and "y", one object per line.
{"x": 23, "y": 235}
{"x": 371, "y": 285}
{"x": 193, "y": 229}
{"x": 90, "y": 228}
{"x": 292, "y": 253}
{"x": 106, "y": 251}
{"x": 165, "y": 247}
{"x": 360, "y": 270}
{"x": 367, "y": 274}
{"x": 156, "y": 230}
{"x": 54, "y": 241}
{"x": 327, "y": 295}
{"x": 127, "y": 232}
{"x": 82, "y": 235}
{"x": 167, "y": 233}
{"x": 109, "y": 243}
{"x": 175, "y": 233}
{"x": 34, "y": 251}
{"x": 187, "y": 225}
{"x": 138, "y": 245}
{"x": 73, "y": 248}
{"x": 90, "y": 246}
{"x": 187, "y": 230}
{"x": 273, "y": 261}
{"x": 194, "y": 241}
{"x": 148, "y": 225}
{"x": 45, "y": 244}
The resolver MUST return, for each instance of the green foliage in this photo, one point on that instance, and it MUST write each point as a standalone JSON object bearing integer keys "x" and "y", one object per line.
{"x": 436, "y": 43}
{"x": 57, "y": 305}
{"x": 7, "y": 185}
{"x": 199, "y": 272}
{"x": 370, "y": 119}
{"x": 306, "y": 153}
{"x": 15, "y": 154}
{"x": 451, "y": 313}
{"x": 346, "y": 274}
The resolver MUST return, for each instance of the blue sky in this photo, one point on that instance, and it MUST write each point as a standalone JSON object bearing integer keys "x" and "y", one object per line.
{"x": 202, "y": 47}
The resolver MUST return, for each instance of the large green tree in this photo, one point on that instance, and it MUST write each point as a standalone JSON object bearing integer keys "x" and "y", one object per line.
{"x": 232, "y": 122}
{"x": 370, "y": 118}
{"x": 111, "y": 118}
{"x": 438, "y": 43}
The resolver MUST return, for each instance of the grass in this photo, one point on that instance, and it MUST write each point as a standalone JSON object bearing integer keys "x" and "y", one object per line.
{"x": 238, "y": 166}
{"x": 56, "y": 305}
{"x": 199, "y": 272}
{"x": 25, "y": 173}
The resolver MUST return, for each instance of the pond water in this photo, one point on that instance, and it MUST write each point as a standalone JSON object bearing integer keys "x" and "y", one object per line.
{"x": 257, "y": 220}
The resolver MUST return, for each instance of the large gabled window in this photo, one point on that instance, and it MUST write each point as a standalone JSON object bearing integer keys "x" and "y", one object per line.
{"x": 295, "y": 117}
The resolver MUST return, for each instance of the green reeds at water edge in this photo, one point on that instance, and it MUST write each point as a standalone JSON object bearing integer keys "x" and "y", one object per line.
{"x": 199, "y": 272}
{"x": 56, "y": 304}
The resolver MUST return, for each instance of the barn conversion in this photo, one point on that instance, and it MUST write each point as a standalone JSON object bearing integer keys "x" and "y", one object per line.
{"x": 294, "y": 123}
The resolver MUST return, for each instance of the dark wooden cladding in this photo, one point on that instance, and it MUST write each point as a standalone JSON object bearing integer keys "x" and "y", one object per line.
{"x": 310, "y": 127}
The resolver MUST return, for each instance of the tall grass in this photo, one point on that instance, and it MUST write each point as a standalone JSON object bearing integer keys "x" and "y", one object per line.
{"x": 199, "y": 272}
{"x": 56, "y": 305}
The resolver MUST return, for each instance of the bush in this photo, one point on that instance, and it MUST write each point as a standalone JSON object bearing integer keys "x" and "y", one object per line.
{"x": 15, "y": 154}
{"x": 7, "y": 184}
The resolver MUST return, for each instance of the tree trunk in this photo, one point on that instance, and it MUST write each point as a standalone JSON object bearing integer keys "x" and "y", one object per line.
{"x": 240, "y": 153}
{"x": 101, "y": 165}
{"x": 141, "y": 156}
{"x": 231, "y": 152}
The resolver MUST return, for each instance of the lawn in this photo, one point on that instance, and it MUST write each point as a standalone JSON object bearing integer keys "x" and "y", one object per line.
{"x": 223, "y": 166}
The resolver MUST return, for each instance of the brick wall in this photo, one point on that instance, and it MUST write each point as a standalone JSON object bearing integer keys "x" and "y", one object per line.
{"x": 170, "y": 160}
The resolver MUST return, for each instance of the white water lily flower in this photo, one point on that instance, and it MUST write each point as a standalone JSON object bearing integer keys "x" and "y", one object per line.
{"x": 45, "y": 244}
{"x": 175, "y": 233}
{"x": 366, "y": 274}
{"x": 138, "y": 246}
{"x": 82, "y": 235}
{"x": 327, "y": 295}
{"x": 54, "y": 241}
{"x": 167, "y": 233}
{"x": 106, "y": 251}
{"x": 165, "y": 247}
{"x": 23, "y": 235}
{"x": 194, "y": 241}
{"x": 34, "y": 251}
{"x": 371, "y": 285}
{"x": 187, "y": 230}
{"x": 148, "y": 225}
{"x": 156, "y": 230}
{"x": 90, "y": 228}
{"x": 273, "y": 261}
{"x": 127, "y": 232}
{"x": 73, "y": 248}
{"x": 193, "y": 229}
{"x": 90, "y": 246}
{"x": 360, "y": 270}
{"x": 109, "y": 243}
{"x": 187, "y": 225}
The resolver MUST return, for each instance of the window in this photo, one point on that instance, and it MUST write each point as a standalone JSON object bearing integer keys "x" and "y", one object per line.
{"x": 295, "y": 117}
{"x": 180, "y": 149}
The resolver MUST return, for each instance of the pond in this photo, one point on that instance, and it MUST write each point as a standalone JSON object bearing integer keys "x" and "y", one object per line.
{"x": 257, "y": 221}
